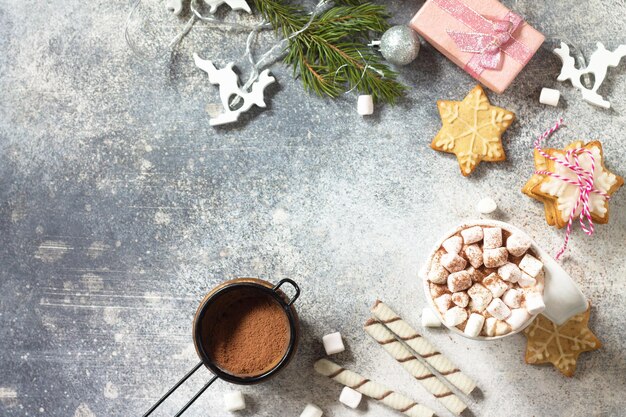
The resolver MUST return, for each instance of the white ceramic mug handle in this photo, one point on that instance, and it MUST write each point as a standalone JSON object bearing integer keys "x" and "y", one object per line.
{"x": 561, "y": 296}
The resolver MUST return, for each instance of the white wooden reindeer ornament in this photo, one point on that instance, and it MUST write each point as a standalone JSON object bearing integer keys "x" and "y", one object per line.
{"x": 234, "y": 4}
{"x": 599, "y": 63}
{"x": 228, "y": 81}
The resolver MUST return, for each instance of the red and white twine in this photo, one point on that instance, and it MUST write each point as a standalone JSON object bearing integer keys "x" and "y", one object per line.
{"x": 584, "y": 181}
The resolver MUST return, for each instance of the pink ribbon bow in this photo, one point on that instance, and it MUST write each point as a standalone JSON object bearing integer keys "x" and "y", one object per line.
{"x": 584, "y": 181}
{"x": 488, "y": 40}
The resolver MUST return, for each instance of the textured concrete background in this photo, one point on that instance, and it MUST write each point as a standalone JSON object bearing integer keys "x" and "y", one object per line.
{"x": 120, "y": 207}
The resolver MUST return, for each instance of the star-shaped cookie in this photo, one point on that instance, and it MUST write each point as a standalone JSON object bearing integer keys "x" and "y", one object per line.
{"x": 560, "y": 198}
{"x": 472, "y": 130}
{"x": 560, "y": 345}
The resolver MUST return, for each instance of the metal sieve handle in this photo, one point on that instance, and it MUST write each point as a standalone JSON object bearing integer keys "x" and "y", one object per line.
{"x": 176, "y": 386}
{"x": 293, "y": 284}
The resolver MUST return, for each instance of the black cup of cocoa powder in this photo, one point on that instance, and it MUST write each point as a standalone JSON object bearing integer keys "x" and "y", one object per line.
{"x": 246, "y": 330}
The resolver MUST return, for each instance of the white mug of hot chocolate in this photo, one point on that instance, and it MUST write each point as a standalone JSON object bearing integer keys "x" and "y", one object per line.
{"x": 561, "y": 296}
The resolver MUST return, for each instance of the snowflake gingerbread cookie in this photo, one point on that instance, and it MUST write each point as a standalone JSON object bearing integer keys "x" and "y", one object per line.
{"x": 472, "y": 130}
{"x": 560, "y": 345}
{"x": 561, "y": 197}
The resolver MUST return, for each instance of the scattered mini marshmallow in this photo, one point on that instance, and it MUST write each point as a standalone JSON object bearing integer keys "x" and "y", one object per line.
{"x": 492, "y": 237}
{"x": 475, "y": 255}
{"x": 459, "y": 281}
{"x": 460, "y": 298}
{"x": 453, "y": 262}
{"x": 512, "y": 298}
{"x": 350, "y": 397}
{"x": 333, "y": 343}
{"x": 481, "y": 297}
{"x": 474, "y": 325}
{"x": 495, "y": 285}
{"x": 534, "y": 302}
{"x": 234, "y": 401}
{"x": 526, "y": 281}
{"x": 443, "y": 302}
{"x": 502, "y": 327}
{"x": 493, "y": 258}
{"x": 472, "y": 235}
{"x": 365, "y": 105}
{"x": 531, "y": 265}
{"x": 498, "y": 309}
{"x": 549, "y": 96}
{"x": 517, "y": 244}
{"x": 490, "y": 326}
{"x": 455, "y": 316}
{"x": 518, "y": 318}
{"x": 429, "y": 318}
{"x": 438, "y": 274}
{"x": 510, "y": 272}
{"x": 453, "y": 244}
{"x": 312, "y": 411}
{"x": 486, "y": 206}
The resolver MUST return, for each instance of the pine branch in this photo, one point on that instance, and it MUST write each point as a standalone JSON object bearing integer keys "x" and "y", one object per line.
{"x": 331, "y": 56}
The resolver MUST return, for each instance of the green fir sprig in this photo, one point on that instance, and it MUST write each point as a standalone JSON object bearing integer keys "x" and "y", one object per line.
{"x": 331, "y": 56}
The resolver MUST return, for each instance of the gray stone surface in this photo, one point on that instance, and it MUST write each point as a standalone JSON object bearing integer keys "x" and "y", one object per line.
{"x": 120, "y": 207}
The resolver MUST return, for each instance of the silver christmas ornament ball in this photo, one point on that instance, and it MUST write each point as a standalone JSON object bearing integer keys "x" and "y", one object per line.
{"x": 400, "y": 45}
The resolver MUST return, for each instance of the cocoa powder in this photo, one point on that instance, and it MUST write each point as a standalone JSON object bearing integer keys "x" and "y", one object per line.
{"x": 250, "y": 336}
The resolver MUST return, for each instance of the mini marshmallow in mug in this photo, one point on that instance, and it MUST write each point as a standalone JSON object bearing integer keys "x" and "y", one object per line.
{"x": 534, "y": 302}
{"x": 472, "y": 235}
{"x": 498, "y": 309}
{"x": 512, "y": 298}
{"x": 510, "y": 272}
{"x": 495, "y": 285}
{"x": 480, "y": 295}
{"x": 517, "y": 244}
{"x": 526, "y": 281}
{"x": 475, "y": 255}
{"x": 459, "y": 281}
{"x": 518, "y": 318}
{"x": 492, "y": 237}
{"x": 531, "y": 265}
{"x": 453, "y": 244}
{"x": 443, "y": 302}
{"x": 493, "y": 258}
{"x": 460, "y": 298}
{"x": 455, "y": 316}
{"x": 474, "y": 324}
{"x": 490, "y": 326}
{"x": 453, "y": 262}
{"x": 438, "y": 274}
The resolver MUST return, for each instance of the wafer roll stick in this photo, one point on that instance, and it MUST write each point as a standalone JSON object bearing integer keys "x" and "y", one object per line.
{"x": 420, "y": 372}
{"x": 403, "y": 331}
{"x": 371, "y": 389}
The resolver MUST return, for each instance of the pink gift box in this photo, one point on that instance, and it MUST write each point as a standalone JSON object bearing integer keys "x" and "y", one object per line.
{"x": 483, "y": 37}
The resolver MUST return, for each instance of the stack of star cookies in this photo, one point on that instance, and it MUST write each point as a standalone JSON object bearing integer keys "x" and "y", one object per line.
{"x": 560, "y": 198}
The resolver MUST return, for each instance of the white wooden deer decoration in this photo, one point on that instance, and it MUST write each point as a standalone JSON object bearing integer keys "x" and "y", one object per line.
{"x": 599, "y": 63}
{"x": 228, "y": 81}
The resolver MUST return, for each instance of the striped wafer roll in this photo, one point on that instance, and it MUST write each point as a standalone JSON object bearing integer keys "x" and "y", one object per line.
{"x": 422, "y": 347}
{"x": 404, "y": 356}
{"x": 371, "y": 389}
